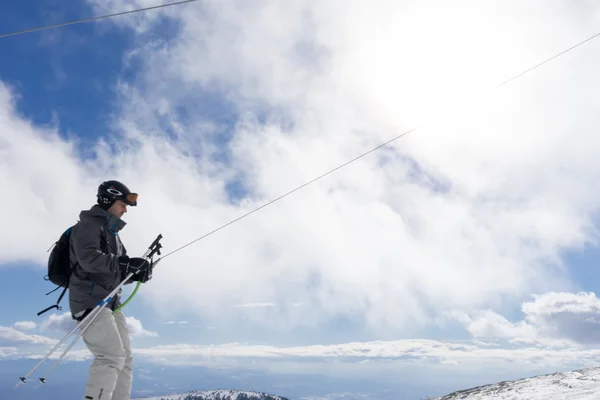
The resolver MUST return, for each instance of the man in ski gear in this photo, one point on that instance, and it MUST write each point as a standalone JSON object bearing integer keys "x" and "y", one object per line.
{"x": 100, "y": 263}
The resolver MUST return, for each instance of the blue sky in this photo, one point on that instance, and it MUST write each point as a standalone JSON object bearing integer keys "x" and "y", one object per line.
{"x": 62, "y": 72}
{"x": 211, "y": 110}
{"x": 61, "y": 76}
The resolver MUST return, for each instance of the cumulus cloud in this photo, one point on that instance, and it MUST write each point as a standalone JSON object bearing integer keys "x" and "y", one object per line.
{"x": 249, "y": 101}
{"x": 11, "y": 335}
{"x": 64, "y": 323}
{"x": 25, "y": 325}
{"x": 473, "y": 209}
{"x": 551, "y": 319}
{"x": 571, "y": 316}
{"x": 48, "y": 201}
{"x": 137, "y": 330}
{"x": 489, "y": 324}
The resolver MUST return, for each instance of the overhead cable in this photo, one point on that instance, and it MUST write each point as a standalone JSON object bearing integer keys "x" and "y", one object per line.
{"x": 322, "y": 175}
{"x": 79, "y": 21}
{"x": 513, "y": 78}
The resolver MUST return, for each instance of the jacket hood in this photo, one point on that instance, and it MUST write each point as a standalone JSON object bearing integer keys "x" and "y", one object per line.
{"x": 112, "y": 222}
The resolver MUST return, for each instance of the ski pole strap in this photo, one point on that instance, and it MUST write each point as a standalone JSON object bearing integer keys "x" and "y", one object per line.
{"x": 129, "y": 299}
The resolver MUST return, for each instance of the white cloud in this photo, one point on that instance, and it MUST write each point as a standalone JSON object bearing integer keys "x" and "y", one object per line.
{"x": 551, "y": 320}
{"x": 64, "y": 323}
{"x": 489, "y": 324}
{"x": 570, "y": 316}
{"x": 10, "y": 335}
{"x": 42, "y": 167}
{"x": 376, "y": 357}
{"x": 429, "y": 363}
{"x": 137, "y": 330}
{"x": 254, "y": 305}
{"x": 25, "y": 325}
{"x": 461, "y": 216}
{"x": 435, "y": 355}
{"x": 8, "y": 351}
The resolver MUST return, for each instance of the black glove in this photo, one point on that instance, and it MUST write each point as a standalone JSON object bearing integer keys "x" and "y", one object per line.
{"x": 141, "y": 268}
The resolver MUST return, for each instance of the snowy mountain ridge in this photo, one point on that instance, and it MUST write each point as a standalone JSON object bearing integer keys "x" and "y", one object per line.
{"x": 583, "y": 384}
{"x": 216, "y": 395}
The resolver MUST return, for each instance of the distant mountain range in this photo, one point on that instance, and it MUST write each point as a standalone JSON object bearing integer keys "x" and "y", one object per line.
{"x": 216, "y": 395}
{"x": 157, "y": 381}
{"x": 581, "y": 384}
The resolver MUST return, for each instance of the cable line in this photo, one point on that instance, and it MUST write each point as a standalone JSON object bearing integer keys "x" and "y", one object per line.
{"x": 320, "y": 176}
{"x": 292, "y": 191}
{"x": 548, "y": 60}
{"x": 376, "y": 148}
{"x": 94, "y": 18}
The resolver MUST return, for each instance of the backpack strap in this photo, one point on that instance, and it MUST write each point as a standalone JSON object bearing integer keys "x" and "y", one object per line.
{"x": 103, "y": 240}
{"x": 57, "y": 303}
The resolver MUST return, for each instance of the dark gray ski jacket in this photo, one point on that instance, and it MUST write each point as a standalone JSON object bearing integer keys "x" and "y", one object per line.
{"x": 95, "y": 272}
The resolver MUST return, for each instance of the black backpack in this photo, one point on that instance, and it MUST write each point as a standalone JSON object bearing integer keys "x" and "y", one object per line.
{"x": 59, "y": 266}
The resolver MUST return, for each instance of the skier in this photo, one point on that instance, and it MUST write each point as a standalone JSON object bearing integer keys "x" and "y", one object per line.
{"x": 100, "y": 263}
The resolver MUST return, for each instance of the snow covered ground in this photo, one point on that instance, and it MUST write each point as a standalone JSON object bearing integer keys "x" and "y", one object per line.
{"x": 572, "y": 385}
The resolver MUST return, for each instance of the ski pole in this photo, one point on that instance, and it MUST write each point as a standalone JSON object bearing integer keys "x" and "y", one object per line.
{"x": 95, "y": 313}
{"x": 147, "y": 255}
{"x": 154, "y": 248}
{"x": 23, "y": 379}
{"x": 43, "y": 379}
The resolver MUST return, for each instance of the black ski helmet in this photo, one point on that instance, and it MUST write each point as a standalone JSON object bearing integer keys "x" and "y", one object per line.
{"x": 111, "y": 191}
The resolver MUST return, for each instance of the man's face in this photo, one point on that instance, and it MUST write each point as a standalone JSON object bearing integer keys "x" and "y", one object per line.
{"x": 118, "y": 208}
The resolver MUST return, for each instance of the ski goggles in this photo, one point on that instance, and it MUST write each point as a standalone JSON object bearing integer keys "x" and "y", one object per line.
{"x": 131, "y": 199}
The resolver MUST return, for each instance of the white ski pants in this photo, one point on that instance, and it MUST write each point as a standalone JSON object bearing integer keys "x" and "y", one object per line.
{"x": 110, "y": 374}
